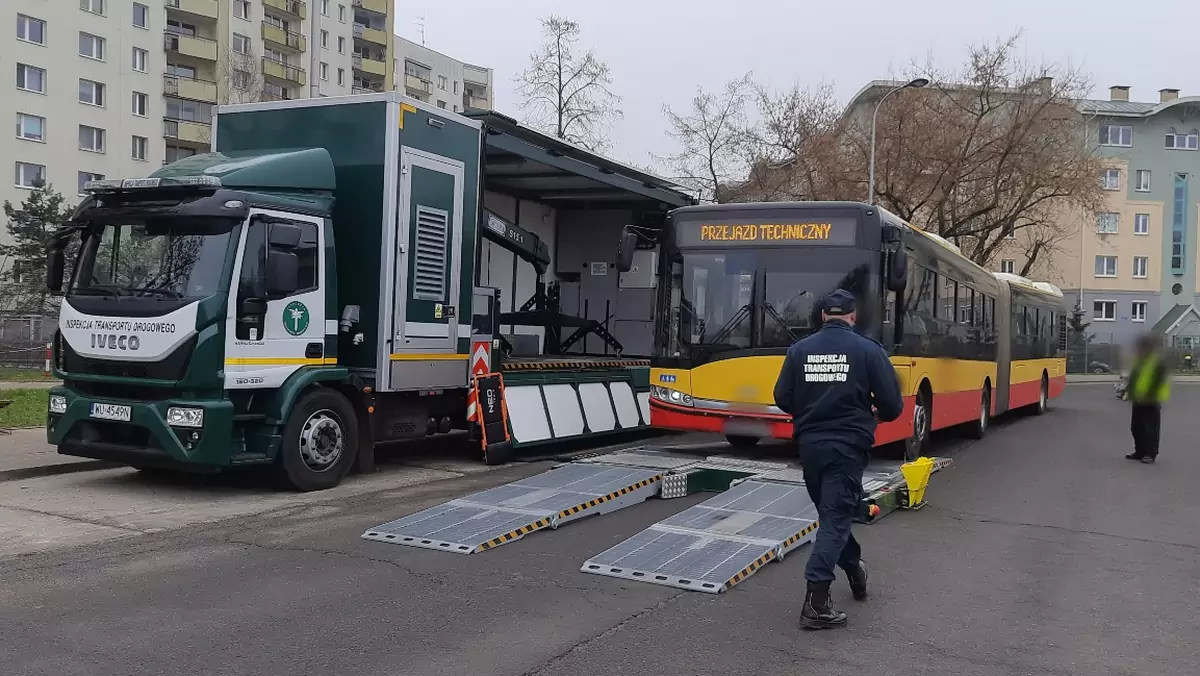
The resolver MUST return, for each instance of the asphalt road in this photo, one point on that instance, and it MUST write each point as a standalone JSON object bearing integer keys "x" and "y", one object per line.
{"x": 1043, "y": 551}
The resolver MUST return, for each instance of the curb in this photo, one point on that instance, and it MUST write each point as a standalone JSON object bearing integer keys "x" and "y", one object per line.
{"x": 55, "y": 470}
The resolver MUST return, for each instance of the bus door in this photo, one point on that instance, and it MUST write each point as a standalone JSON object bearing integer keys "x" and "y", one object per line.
{"x": 1003, "y": 330}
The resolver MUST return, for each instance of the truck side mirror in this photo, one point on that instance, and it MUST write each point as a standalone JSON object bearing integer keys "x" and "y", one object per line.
{"x": 626, "y": 249}
{"x": 283, "y": 273}
{"x": 55, "y": 262}
{"x": 897, "y": 277}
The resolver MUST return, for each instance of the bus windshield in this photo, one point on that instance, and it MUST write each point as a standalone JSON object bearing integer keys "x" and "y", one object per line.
{"x": 723, "y": 294}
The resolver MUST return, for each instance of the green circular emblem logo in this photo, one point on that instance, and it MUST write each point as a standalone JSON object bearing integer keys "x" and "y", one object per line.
{"x": 295, "y": 318}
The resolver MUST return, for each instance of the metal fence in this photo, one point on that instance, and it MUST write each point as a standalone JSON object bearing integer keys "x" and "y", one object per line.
{"x": 1102, "y": 354}
{"x": 23, "y": 341}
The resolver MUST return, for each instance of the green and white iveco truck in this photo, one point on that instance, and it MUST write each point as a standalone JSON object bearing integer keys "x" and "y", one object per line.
{"x": 304, "y": 291}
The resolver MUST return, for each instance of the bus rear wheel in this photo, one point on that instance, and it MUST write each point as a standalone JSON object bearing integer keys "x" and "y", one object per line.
{"x": 915, "y": 444}
{"x": 1043, "y": 396}
{"x": 741, "y": 441}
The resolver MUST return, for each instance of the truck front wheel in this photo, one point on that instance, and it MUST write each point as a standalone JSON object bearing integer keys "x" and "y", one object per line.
{"x": 319, "y": 442}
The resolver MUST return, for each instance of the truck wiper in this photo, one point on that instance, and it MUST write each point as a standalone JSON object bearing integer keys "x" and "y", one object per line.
{"x": 160, "y": 291}
{"x": 98, "y": 290}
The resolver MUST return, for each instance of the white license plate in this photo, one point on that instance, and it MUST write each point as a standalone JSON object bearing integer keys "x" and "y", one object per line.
{"x": 112, "y": 412}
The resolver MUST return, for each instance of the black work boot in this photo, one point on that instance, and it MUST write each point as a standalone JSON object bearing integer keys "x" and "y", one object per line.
{"x": 858, "y": 580}
{"x": 816, "y": 613}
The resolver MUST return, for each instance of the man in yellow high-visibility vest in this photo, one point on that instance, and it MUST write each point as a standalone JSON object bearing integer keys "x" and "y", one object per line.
{"x": 1148, "y": 388}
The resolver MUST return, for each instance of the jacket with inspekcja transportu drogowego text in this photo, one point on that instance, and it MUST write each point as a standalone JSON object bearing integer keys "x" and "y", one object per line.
{"x": 829, "y": 383}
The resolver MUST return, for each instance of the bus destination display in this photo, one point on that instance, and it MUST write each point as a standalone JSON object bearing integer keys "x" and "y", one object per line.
{"x": 835, "y": 231}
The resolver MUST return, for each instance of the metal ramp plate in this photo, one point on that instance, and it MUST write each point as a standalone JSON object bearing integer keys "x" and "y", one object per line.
{"x": 644, "y": 458}
{"x": 506, "y": 513}
{"x": 714, "y": 545}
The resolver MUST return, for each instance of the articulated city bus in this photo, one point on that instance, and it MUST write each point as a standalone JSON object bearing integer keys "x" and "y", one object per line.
{"x": 739, "y": 283}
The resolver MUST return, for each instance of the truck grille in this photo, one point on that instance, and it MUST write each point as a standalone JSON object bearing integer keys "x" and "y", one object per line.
{"x": 173, "y": 367}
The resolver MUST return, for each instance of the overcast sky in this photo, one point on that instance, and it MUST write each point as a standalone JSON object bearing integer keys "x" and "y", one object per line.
{"x": 661, "y": 50}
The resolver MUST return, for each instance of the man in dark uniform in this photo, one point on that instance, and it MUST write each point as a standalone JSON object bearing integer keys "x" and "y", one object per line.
{"x": 829, "y": 384}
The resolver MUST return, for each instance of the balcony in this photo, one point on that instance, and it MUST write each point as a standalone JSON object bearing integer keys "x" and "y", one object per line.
{"x": 204, "y": 8}
{"x": 293, "y": 7}
{"x": 370, "y": 66}
{"x": 475, "y": 102}
{"x": 282, "y": 38}
{"x": 377, "y": 6}
{"x": 372, "y": 89}
{"x": 187, "y": 131}
{"x": 282, "y": 71}
{"x": 418, "y": 84}
{"x": 190, "y": 88}
{"x": 475, "y": 76}
{"x": 190, "y": 45}
{"x": 371, "y": 35}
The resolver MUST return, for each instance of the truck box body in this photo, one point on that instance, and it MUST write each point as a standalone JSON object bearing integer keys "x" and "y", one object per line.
{"x": 404, "y": 216}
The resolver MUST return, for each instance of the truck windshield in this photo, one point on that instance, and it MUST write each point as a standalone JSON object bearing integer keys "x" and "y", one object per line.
{"x": 155, "y": 260}
{"x": 720, "y": 298}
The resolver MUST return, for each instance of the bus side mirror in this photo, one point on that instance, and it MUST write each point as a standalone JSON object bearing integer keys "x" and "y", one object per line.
{"x": 626, "y": 249}
{"x": 898, "y": 270}
{"x": 55, "y": 262}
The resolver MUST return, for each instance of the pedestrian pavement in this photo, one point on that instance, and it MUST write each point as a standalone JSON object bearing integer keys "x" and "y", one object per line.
{"x": 25, "y": 453}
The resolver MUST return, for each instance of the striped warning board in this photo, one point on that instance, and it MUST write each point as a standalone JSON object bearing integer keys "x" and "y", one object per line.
{"x": 508, "y": 513}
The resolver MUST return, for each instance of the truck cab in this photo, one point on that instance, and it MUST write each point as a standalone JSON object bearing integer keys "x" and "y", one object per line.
{"x": 191, "y": 292}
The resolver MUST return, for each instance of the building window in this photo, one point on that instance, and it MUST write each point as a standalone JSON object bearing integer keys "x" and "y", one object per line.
{"x": 241, "y": 44}
{"x": 140, "y": 145}
{"x": 141, "y": 104}
{"x": 91, "y": 46}
{"x": 341, "y": 77}
{"x": 456, "y": 89}
{"x": 29, "y": 175}
{"x": 91, "y": 139}
{"x": 1107, "y": 222}
{"x": 1141, "y": 266}
{"x": 341, "y": 45}
{"x": 241, "y": 9}
{"x": 1141, "y": 224}
{"x": 325, "y": 39}
{"x": 85, "y": 177}
{"x": 31, "y": 79}
{"x": 1104, "y": 310}
{"x": 1177, "y": 140}
{"x": 324, "y": 71}
{"x": 324, "y": 7}
{"x": 1116, "y": 135}
{"x": 1008, "y": 265}
{"x": 1143, "y": 180}
{"x": 93, "y": 6}
{"x": 1179, "y": 223}
{"x": 31, "y": 127}
{"x": 30, "y": 29}
{"x": 342, "y": 13}
{"x": 441, "y": 104}
{"x": 91, "y": 93}
{"x": 140, "y": 58}
{"x": 1138, "y": 311}
{"x": 141, "y": 15}
{"x": 1106, "y": 266}
{"x": 442, "y": 82}
{"x": 1112, "y": 179}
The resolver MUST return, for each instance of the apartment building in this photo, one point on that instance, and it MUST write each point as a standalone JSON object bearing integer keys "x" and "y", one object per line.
{"x": 441, "y": 80}
{"x": 1132, "y": 267}
{"x": 116, "y": 88}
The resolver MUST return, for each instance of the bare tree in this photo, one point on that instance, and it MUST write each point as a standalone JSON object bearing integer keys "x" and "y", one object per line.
{"x": 793, "y": 146}
{"x": 711, "y": 138}
{"x": 992, "y": 157}
{"x": 568, "y": 94}
{"x": 239, "y": 77}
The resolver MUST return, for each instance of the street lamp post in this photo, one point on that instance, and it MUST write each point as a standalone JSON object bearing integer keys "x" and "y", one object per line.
{"x": 914, "y": 84}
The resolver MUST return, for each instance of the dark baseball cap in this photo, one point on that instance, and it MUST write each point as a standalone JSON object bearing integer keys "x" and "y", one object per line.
{"x": 838, "y": 303}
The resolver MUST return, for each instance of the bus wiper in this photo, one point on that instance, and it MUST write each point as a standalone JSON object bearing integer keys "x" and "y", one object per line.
{"x": 774, "y": 314}
{"x": 728, "y": 327}
{"x": 160, "y": 291}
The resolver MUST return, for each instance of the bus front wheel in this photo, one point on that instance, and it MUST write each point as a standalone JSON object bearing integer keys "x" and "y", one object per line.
{"x": 920, "y": 434}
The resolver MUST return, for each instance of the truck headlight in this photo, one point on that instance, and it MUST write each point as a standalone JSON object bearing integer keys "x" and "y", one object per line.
{"x": 178, "y": 416}
{"x": 58, "y": 404}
